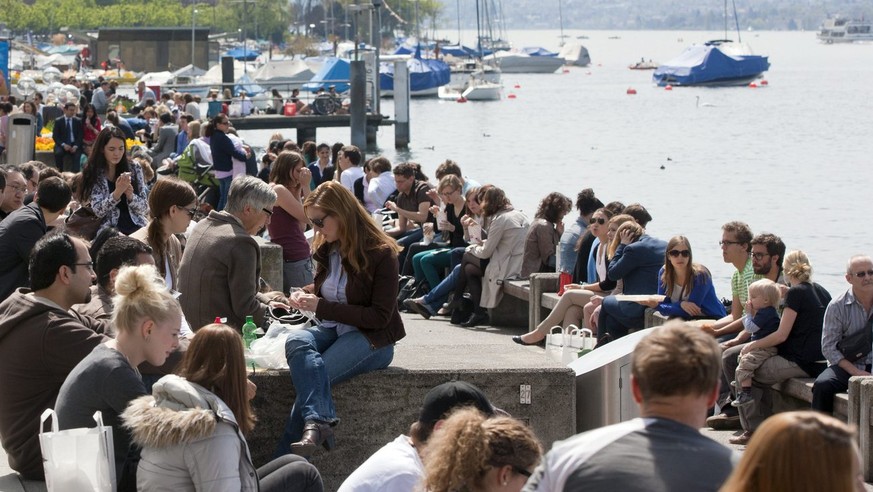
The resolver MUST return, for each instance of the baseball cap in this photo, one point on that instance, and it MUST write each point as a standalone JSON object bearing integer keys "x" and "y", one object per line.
{"x": 443, "y": 398}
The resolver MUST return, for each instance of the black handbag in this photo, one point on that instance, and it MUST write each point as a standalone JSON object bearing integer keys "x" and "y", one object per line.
{"x": 857, "y": 345}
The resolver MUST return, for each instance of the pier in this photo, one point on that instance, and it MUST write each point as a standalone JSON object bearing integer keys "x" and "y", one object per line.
{"x": 307, "y": 125}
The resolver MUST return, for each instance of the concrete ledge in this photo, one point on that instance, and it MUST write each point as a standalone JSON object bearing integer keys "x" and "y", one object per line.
{"x": 375, "y": 408}
{"x": 272, "y": 263}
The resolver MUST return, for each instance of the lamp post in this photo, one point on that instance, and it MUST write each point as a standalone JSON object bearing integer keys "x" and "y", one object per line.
{"x": 193, "y": 18}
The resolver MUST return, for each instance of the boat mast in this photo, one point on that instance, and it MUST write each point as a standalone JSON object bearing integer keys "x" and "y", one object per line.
{"x": 561, "y": 21}
{"x": 478, "y": 31}
{"x": 458, "y": 6}
{"x": 737, "y": 21}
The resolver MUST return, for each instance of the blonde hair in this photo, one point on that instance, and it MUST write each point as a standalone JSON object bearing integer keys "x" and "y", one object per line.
{"x": 617, "y": 220}
{"x": 797, "y": 265}
{"x": 626, "y": 225}
{"x": 768, "y": 289}
{"x": 140, "y": 293}
{"x": 797, "y": 451}
{"x": 469, "y": 444}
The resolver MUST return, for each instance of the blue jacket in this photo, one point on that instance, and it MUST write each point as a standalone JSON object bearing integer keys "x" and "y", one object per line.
{"x": 637, "y": 265}
{"x": 223, "y": 152}
{"x": 702, "y": 294}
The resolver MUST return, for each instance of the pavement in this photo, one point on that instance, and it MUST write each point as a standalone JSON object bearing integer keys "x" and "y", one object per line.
{"x": 427, "y": 342}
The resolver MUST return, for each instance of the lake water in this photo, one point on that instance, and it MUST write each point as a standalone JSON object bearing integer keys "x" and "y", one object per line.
{"x": 792, "y": 158}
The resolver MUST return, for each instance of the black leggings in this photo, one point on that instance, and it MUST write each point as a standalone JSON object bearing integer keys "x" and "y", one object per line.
{"x": 289, "y": 473}
{"x": 472, "y": 269}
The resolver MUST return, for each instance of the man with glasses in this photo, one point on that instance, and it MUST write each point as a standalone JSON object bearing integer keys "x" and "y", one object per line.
{"x": 24, "y": 227}
{"x": 846, "y": 315}
{"x": 221, "y": 265}
{"x": 674, "y": 379}
{"x": 41, "y": 341}
{"x": 768, "y": 251}
{"x": 14, "y": 192}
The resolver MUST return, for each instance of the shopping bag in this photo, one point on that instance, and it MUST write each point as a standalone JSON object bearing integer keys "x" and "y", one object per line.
{"x": 77, "y": 460}
{"x": 563, "y": 279}
{"x": 268, "y": 352}
{"x": 555, "y": 343}
{"x": 577, "y": 343}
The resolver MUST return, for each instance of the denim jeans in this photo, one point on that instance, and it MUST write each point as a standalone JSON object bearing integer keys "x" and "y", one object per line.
{"x": 223, "y": 189}
{"x": 618, "y": 317}
{"x": 318, "y": 360}
{"x": 406, "y": 241}
{"x": 438, "y": 295}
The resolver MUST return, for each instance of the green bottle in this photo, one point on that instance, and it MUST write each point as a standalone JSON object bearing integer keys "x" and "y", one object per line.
{"x": 248, "y": 332}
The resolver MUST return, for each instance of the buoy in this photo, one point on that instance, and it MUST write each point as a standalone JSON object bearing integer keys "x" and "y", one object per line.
{"x": 517, "y": 86}
{"x": 631, "y": 91}
{"x": 511, "y": 96}
{"x": 461, "y": 99}
{"x": 668, "y": 87}
{"x": 753, "y": 85}
{"x": 566, "y": 70}
{"x": 764, "y": 82}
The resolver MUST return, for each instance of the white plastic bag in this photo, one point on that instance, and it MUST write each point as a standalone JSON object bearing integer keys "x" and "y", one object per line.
{"x": 268, "y": 351}
{"x": 77, "y": 460}
{"x": 576, "y": 344}
{"x": 555, "y": 343}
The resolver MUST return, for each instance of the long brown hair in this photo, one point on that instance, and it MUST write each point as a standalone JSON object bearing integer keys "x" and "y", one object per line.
{"x": 216, "y": 361}
{"x": 358, "y": 233}
{"x": 668, "y": 279}
{"x": 281, "y": 168}
{"x": 166, "y": 193}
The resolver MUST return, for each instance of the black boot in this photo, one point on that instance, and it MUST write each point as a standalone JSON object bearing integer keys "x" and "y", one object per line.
{"x": 315, "y": 434}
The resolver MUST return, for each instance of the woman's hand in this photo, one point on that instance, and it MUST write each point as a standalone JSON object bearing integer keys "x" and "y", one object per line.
{"x": 434, "y": 195}
{"x": 446, "y": 226}
{"x": 690, "y": 308}
{"x": 434, "y": 210}
{"x": 627, "y": 237}
{"x": 572, "y": 287}
{"x": 251, "y": 389}
{"x": 305, "y": 177}
{"x": 652, "y": 303}
{"x": 122, "y": 184}
{"x": 559, "y": 227}
{"x": 303, "y": 301}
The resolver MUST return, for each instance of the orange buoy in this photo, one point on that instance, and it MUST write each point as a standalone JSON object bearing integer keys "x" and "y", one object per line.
{"x": 753, "y": 85}
{"x": 511, "y": 96}
{"x": 631, "y": 91}
{"x": 517, "y": 86}
{"x": 764, "y": 82}
{"x": 668, "y": 87}
{"x": 461, "y": 99}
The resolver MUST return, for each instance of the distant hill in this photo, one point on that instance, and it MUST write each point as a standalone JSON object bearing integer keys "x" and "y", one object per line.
{"x": 660, "y": 14}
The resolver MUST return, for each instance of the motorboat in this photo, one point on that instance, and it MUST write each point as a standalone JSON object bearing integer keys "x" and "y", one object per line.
{"x": 842, "y": 30}
{"x": 715, "y": 63}
{"x": 482, "y": 90}
{"x": 426, "y": 76}
{"x": 575, "y": 54}
{"x": 643, "y": 65}
{"x": 521, "y": 62}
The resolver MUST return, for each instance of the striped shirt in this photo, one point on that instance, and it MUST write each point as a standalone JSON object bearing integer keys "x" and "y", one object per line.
{"x": 740, "y": 281}
{"x": 844, "y": 316}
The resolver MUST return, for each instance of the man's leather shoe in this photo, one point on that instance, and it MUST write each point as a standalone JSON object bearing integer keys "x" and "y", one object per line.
{"x": 315, "y": 434}
{"x": 724, "y": 421}
{"x": 741, "y": 439}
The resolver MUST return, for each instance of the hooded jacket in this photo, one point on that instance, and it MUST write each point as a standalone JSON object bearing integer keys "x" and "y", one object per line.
{"x": 40, "y": 344}
{"x": 190, "y": 440}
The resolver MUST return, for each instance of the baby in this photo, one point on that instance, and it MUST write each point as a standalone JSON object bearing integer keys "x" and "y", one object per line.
{"x": 761, "y": 320}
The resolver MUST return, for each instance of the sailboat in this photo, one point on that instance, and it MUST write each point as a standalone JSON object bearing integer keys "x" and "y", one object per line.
{"x": 471, "y": 79}
{"x": 721, "y": 62}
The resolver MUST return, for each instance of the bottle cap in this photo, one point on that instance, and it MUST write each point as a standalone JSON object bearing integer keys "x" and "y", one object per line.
{"x": 249, "y": 319}
{"x": 217, "y": 320}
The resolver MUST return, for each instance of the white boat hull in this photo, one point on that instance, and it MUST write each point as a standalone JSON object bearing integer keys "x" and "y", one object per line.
{"x": 482, "y": 92}
{"x": 528, "y": 64}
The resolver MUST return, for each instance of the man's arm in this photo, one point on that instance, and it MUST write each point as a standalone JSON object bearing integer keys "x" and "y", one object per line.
{"x": 242, "y": 280}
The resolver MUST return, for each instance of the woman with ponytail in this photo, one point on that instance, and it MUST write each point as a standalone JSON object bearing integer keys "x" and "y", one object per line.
{"x": 147, "y": 319}
{"x": 172, "y": 205}
{"x": 475, "y": 453}
{"x": 798, "y": 338}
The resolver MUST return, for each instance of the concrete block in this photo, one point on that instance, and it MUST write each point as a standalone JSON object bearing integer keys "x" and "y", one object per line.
{"x": 540, "y": 283}
{"x": 511, "y": 312}
{"x": 865, "y": 429}
{"x": 272, "y": 263}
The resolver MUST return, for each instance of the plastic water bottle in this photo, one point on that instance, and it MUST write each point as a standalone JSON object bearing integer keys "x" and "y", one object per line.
{"x": 248, "y": 332}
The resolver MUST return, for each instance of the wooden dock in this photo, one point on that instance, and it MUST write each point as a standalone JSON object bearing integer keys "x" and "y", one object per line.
{"x": 306, "y": 126}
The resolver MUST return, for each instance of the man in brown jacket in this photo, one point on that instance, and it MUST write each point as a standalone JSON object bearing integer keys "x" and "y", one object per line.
{"x": 221, "y": 265}
{"x": 41, "y": 341}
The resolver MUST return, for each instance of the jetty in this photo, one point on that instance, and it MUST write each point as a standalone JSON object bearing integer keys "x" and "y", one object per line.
{"x": 307, "y": 125}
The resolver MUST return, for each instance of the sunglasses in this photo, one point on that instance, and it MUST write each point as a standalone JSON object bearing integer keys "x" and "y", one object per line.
{"x": 318, "y": 222}
{"x": 598, "y": 221}
{"x": 868, "y": 273}
{"x": 676, "y": 253}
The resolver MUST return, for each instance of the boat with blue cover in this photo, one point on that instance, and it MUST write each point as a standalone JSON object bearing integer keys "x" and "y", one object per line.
{"x": 715, "y": 63}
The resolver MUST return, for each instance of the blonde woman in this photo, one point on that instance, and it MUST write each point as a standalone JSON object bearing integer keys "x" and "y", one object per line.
{"x": 147, "y": 319}
{"x": 799, "y": 451}
{"x": 475, "y": 453}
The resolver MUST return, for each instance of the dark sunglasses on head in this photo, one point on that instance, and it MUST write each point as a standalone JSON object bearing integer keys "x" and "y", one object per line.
{"x": 598, "y": 221}
{"x": 676, "y": 253}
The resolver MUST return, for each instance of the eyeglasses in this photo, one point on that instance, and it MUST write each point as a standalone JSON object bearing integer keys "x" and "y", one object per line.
{"x": 17, "y": 188}
{"x": 318, "y": 222}
{"x": 521, "y": 471}
{"x": 598, "y": 221}
{"x": 676, "y": 253}
{"x": 759, "y": 256}
{"x": 868, "y": 273}
{"x": 728, "y": 243}
{"x": 191, "y": 211}
{"x": 268, "y": 212}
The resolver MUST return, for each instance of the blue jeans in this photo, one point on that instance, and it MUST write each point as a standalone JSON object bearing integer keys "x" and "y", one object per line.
{"x": 406, "y": 241}
{"x": 618, "y": 317}
{"x": 438, "y": 295}
{"x": 223, "y": 189}
{"x": 319, "y": 359}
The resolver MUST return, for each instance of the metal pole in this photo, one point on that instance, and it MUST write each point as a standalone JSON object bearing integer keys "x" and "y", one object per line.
{"x": 401, "y": 104}
{"x": 358, "y": 109}
{"x": 377, "y": 103}
{"x": 193, "y": 13}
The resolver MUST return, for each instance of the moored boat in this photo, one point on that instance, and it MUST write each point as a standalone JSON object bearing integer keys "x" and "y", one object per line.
{"x": 715, "y": 63}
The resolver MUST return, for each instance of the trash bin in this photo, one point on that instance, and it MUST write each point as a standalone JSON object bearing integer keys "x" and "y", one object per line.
{"x": 21, "y": 140}
{"x": 603, "y": 389}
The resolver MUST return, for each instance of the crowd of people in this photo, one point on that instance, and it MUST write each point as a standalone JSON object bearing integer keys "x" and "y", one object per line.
{"x": 113, "y": 276}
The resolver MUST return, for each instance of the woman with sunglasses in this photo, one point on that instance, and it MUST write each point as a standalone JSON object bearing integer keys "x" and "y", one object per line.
{"x": 472, "y": 452}
{"x": 113, "y": 186}
{"x": 290, "y": 179}
{"x": 354, "y": 299}
{"x": 172, "y": 205}
{"x": 686, "y": 286}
